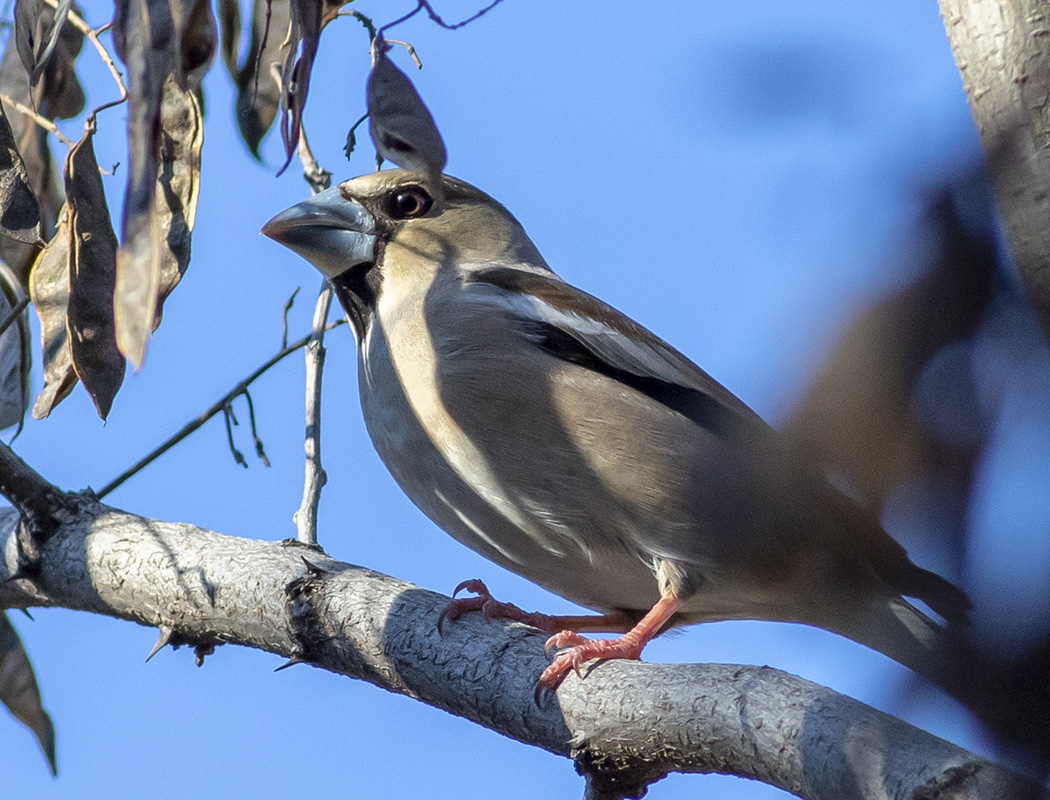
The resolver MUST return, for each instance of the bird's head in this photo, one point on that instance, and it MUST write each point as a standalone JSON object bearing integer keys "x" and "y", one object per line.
{"x": 389, "y": 219}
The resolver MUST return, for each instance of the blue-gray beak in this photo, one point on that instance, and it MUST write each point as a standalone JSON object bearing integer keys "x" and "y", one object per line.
{"x": 331, "y": 231}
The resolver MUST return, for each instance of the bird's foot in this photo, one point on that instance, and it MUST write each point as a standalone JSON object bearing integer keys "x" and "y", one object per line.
{"x": 581, "y": 650}
{"x": 492, "y": 609}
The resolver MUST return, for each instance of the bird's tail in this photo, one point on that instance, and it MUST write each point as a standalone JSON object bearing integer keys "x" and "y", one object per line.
{"x": 896, "y": 628}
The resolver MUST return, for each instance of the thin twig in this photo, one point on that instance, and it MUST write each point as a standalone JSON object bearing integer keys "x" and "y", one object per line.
{"x": 260, "y": 451}
{"x": 231, "y": 420}
{"x": 11, "y": 317}
{"x": 92, "y": 34}
{"x": 306, "y": 517}
{"x": 409, "y": 49}
{"x": 284, "y": 317}
{"x": 219, "y": 405}
{"x": 351, "y": 138}
{"x": 39, "y": 119}
{"x": 435, "y": 17}
{"x": 366, "y": 21}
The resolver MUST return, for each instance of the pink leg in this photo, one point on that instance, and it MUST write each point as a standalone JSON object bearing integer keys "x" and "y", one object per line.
{"x": 493, "y": 609}
{"x": 629, "y": 645}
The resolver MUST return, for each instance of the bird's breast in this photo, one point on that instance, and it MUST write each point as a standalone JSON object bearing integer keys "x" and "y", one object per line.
{"x": 458, "y": 451}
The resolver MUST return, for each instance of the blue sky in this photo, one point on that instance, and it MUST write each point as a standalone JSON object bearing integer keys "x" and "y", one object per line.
{"x": 734, "y": 176}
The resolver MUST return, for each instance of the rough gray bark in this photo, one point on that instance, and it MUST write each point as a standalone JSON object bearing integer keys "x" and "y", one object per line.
{"x": 626, "y": 725}
{"x": 1002, "y": 49}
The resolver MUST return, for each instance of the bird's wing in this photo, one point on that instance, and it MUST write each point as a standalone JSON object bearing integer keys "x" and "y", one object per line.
{"x": 576, "y": 327}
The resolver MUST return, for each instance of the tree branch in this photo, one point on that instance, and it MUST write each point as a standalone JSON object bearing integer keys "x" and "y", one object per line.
{"x": 626, "y": 725}
{"x": 1003, "y": 52}
{"x": 315, "y": 477}
{"x": 43, "y": 506}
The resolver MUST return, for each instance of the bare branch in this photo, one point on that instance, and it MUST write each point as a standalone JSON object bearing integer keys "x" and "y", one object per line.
{"x": 626, "y": 724}
{"x": 43, "y": 507}
{"x": 306, "y": 517}
{"x": 1003, "y": 53}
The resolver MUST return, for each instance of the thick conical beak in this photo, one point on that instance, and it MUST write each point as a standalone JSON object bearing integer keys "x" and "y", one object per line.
{"x": 331, "y": 231}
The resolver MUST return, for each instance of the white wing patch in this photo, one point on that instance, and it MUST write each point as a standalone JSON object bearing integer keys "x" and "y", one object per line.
{"x": 605, "y": 341}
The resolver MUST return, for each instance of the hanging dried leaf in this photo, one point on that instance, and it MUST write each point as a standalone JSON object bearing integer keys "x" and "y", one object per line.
{"x": 60, "y": 95}
{"x": 230, "y": 34}
{"x": 258, "y": 96}
{"x": 295, "y": 77}
{"x": 49, "y": 289}
{"x": 144, "y": 34}
{"x": 57, "y": 95}
{"x": 19, "y": 212}
{"x": 402, "y": 128}
{"x": 155, "y": 39}
{"x": 30, "y": 32}
{"x": 175, "y": 212}
{"x": 92, "y": 278}
{"x": 197, "y": 32}
{"x": 45, "y": 26}
{"x": 20, "y": 693}
{"x": 15, "y": 352}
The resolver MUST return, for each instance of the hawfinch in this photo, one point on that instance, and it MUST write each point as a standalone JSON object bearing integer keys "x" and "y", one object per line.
{"x": 564, "y": 441}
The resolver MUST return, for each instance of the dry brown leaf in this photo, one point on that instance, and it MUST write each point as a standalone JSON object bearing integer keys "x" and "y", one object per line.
{"x": 155, "y": 39}
{"x": 258, "y": 96}
{"x": 230, "y": 34}
{"x": 304, "y": 36}
{"x": 402, "y": 128}
{"x": 57, "y": 95}
{"x": 37, "y": 29}
{"x": 144, "y": 34}
{"x": 20, "y": 693}
{"x": 175, "y": 212}
{"x": 49, "y": 289}
{"x": 198, "y": 36}
{"x": 30, "y": 32}
{"x": 19, "y": 210}
{"x": 92, "y": 278}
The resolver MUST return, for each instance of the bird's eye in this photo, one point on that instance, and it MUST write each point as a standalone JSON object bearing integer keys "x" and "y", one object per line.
{"x": 408, "y": 203}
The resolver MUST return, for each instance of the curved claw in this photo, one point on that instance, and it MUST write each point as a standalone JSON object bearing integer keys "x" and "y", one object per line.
{"x": 474, "y": 585}
{"x": 457, "y": 608}
{"x": 577, "y": 662}
{"x": 441, "y": 620}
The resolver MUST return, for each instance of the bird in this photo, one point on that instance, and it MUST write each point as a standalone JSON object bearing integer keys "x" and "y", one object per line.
{"x": 564, "y": 441}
